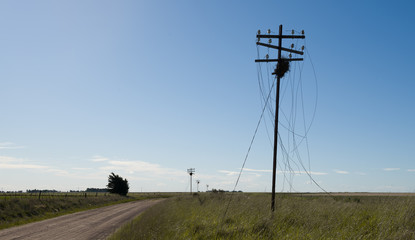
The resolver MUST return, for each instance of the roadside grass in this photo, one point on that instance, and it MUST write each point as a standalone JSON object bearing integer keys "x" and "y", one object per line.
{"x": 296, "y": 217}
{"x": 25, "y": 208}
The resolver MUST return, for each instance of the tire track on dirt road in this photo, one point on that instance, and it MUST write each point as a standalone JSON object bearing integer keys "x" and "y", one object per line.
{"x": 97, "y": 223}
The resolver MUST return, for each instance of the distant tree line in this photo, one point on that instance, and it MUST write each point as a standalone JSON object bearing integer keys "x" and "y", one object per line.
{"x": 20, "y": 191}
{"x": 96, "y": 190}
{"x": 44, "y": 191}
{"x": 221, "y": 191}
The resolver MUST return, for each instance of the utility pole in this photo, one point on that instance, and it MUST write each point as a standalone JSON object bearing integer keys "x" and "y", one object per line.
{"x": 207, "y": 187}
{"x": 281, "y": 68}
{"x": 197, "y": 181}
{"x": 191, "y": 171}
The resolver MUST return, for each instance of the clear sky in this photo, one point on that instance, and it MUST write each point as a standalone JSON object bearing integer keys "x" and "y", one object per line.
{"x": 147, "y": 89}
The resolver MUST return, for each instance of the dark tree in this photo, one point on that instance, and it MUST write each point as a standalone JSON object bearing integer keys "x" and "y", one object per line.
{"x": 117, "y": 184}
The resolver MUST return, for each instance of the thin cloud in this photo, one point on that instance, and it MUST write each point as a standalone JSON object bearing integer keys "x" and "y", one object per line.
{"x": 256, "y": 170}
{"x": 59, "y": 172}
{"x": 301, "y": 172}
{"x": 9, "y": 145}
{"x": 284, "y": 172}
{"x": 229, "y": 173}
{"x": 141, "y": 167}
{"x": 411, "y": 170}
{"x": 98, "y": 158}
{"x": 341, "y": 171}
{"x": 82, "y": 169}
{"x": 16, "y": 163}
{"x": 21, "y": 166}
{"x": 391, "y": 169}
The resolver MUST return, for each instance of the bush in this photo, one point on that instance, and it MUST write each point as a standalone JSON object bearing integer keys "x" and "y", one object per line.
{"x": 117, "y": 184}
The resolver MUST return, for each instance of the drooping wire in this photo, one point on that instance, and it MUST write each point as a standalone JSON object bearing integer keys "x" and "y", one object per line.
{"x": 290, "y": 150}
{"x": 247, "y": 153}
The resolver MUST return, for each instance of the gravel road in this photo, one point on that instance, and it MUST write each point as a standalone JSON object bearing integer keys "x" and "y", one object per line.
{"x": 98, "y": 223}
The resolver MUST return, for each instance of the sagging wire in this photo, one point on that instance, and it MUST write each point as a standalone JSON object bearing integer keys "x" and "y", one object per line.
{"x": 247, "y": 154}
{"x": 293, "y": 89}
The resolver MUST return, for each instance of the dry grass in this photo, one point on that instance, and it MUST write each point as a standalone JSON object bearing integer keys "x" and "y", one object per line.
{"x": 296, "y": 217}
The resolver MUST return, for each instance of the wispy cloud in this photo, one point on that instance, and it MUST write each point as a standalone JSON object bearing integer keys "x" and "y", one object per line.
{"x": 301, "y": 172}
{"x": 340, "y": 171}
{"x": 16, "y": 163}
{"x": 98, "y": 158}
{"x": 391, "y": 169}
{"x": 81, "y": 169}
{"x": 411, "y": 170}
{"x": 311, "y": 173}
{"x": 256, "y": 170}
{"x": 229, "y": 173}
{"x": 9, "y": 145}
{"x": 141, "y": 167}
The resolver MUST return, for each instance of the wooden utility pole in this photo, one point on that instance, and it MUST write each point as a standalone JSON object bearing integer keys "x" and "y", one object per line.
{"x": 197, "y": 181}
{"x": 191, "y": 171}
{"x": 281, "y": 68}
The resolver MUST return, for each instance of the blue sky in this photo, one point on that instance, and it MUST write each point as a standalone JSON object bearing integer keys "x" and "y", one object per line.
{"x": 147, "y": 89}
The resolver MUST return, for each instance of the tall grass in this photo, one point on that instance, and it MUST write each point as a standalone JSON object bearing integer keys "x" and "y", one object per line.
{"x": 295, "y": 217}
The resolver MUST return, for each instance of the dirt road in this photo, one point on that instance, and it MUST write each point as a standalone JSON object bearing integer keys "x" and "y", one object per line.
{"x": 92, "y": 224}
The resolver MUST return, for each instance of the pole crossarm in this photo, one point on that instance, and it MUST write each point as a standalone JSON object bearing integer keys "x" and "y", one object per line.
{"x": 279, "y": 36}
{"x": 280, "y": 48}
{"x": 276, "y": 60}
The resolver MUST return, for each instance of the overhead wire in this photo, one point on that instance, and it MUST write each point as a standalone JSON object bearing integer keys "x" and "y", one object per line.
{"x": 290, "y": 151}
{"x": 248, "y": 151}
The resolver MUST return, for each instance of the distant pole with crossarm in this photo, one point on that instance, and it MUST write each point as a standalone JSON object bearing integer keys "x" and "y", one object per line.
{"x": 191, "y": 171}
{"x": 281, "y": 68}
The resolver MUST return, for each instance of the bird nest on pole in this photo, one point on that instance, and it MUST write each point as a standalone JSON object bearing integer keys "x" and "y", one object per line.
{"x": 283, "y": 66}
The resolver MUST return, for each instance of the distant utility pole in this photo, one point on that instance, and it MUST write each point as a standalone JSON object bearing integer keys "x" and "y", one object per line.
{"x": 197, "y": 181}
{"x": 207, "y": 187}
{"x": 281, "y": 68}
{"x": 191, "y": 171}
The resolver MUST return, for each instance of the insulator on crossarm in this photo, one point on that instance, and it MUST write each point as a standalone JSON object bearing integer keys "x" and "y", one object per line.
{"x": 259, "y": 32}
{"x": 292, "y": 32}
{"x": 302, "y": 32}
{"x": 270, "y": 41}
{"x": 290, "y": 55}
{"x": 302, "y": 48}
{"x": 267, "y": 56}
{"x": 292, "y": 45}
{"x": 269, "y": 31}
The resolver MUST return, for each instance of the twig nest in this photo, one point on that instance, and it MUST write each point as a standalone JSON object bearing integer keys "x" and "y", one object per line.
{"x": 283, "y": 66}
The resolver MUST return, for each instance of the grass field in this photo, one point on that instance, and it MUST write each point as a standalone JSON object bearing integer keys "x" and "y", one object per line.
{"x": 21, "y": 208}
{"x": 296, "y": 217}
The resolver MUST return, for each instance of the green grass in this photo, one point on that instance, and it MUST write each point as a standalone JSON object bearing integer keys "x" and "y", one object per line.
{"x": 295, "y": 217}
{"x": 18, "y": 209}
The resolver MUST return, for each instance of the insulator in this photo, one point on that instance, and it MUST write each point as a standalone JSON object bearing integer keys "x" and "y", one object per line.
{"x": 292, "y": 31}
{"x": 292, "y": 45}
{"x": 302, "y": 48}
{"x": 267, "y": 56}
{"x": 269, "y": 41}
{"x": 259, "y": 32}
{"x": 290, "y": 55}
{"x": 269, "y": 31}
{"x": 302, "y": 32}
